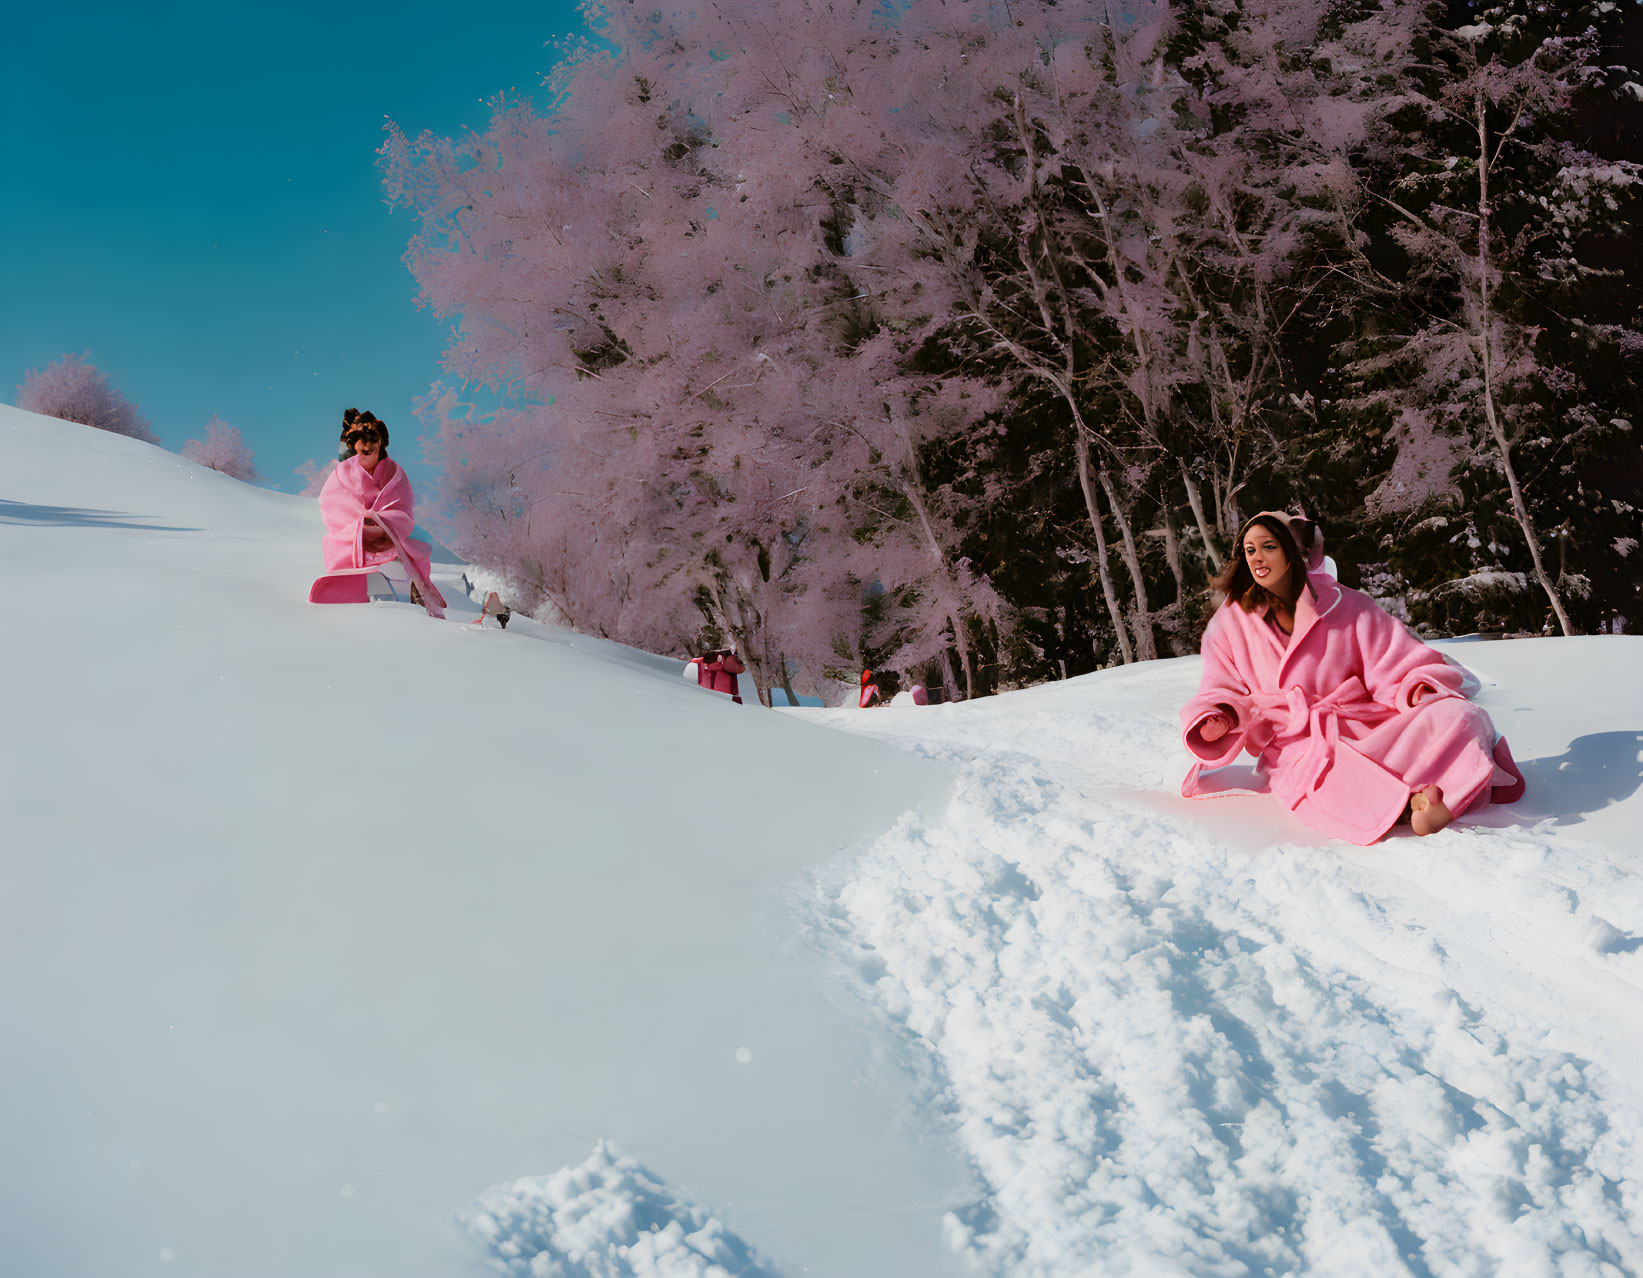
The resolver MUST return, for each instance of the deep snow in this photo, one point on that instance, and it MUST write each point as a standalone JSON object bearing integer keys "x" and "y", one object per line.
{"x": 343, "y": 941}
{"x": 317, "y": 922}
{"x": 1192, "y": 1037}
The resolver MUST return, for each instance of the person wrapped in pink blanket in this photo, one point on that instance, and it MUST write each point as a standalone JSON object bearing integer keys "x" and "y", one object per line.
{"x": 1356, "y": 724}
{"x": 369, "y": 509}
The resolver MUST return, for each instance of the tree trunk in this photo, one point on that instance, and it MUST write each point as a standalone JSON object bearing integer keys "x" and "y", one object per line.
{"x": 1497, "y": 430}
{"x": 727, "y": 604}
{"x": 1144, "y": 648}
{"x": 1195, "y": 499}
{"x": 1232, "y": 519}
{"x": 1521, "y": 510}
{"x": 787, "y": 681}
{"x": 1172, "y": 551}
{"x": 948, "y": 678}
{"x": 955, "y": 615}
{"x": 1082, "y": 451}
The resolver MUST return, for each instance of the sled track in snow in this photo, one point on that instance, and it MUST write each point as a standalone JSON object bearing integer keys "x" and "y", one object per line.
{"x": 1166, "y": 1055}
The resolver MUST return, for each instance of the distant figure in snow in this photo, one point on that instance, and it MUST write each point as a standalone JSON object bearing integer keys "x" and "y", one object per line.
{"x": 1356, "y": 724}
{"x": 369, "y": 510}
{"x": 716, "y": 669}
{"x": 869, "y": 690}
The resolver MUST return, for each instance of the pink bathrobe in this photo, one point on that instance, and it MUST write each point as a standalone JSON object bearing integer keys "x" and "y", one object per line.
{"x": 352, "y": 493}
{"x": 1330, "y": 713}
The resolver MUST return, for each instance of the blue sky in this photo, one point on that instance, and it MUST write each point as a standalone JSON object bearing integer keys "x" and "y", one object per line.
{"x": 191, "y": 195}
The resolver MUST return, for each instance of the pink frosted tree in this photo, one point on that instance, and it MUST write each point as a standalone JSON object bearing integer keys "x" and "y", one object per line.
{"x": 75, "y": 390}
{"x": 313, "y": 476}
{"x": 710, "y": 415}
{"x": 1040, "y": 194}
{"x": 765, "y": 285}
{"x": 223, "y": 450}
{"x": 1125, "y": 211}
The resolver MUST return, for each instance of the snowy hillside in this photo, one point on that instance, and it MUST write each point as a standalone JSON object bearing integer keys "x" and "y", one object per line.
{"x": 318, "y": 922}
{"x": 1192, "y": 1037}
{"x": 344, "y": 941}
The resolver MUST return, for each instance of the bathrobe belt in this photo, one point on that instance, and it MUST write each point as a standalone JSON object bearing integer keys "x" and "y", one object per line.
{"x": 1282, "y": 718}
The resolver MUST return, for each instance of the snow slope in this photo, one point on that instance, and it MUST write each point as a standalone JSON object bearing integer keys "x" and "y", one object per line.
{"x": 1192, "y": 1037}
{"x": 342, "y": 941}
{"x": 317, "y": 923}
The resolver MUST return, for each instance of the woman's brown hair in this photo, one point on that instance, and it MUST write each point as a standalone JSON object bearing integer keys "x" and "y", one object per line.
{"x": 357, "y": 422}
{"x": 1237, "y": 583}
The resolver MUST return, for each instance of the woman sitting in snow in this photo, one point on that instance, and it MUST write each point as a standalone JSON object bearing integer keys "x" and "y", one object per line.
{"x": 1357, "y": 725}
{"x": 369, "y": 510}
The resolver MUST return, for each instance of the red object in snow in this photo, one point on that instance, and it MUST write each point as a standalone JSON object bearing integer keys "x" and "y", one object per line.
{"x": 719, "y": 675}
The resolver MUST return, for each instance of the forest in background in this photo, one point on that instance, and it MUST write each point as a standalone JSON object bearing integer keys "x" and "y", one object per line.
{"x": 958, "y": 339}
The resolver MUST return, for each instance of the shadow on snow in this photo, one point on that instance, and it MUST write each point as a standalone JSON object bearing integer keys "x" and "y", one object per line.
{"x": 17, "y": 512}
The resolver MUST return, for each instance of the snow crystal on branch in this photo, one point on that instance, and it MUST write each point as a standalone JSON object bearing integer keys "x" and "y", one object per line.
{"x": 607, "y": 1217}
{"x": 1480, "y": 583}
{"x": 1424, "y": 468}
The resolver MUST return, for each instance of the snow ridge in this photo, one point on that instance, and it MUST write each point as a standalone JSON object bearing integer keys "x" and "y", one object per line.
{"x": 1165, "y": 1055}
{"x": 607, "y": 1217}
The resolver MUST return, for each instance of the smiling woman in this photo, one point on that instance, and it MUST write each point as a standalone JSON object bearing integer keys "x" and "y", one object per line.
{"x": 1355, "y": 723}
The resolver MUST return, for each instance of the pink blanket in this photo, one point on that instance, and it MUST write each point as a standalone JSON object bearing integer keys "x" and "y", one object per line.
{"x": 369, "y": 515}
{"x": 352, "y": 493}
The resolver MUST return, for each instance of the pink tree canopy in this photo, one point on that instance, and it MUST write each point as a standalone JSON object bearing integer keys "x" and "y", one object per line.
{"x": 75, "y": 390}
{"x": 784, "y": 300}
{"x": 714, "y": 421}
{"x": 223, "y": 450}
{"x": 313, "y": 476}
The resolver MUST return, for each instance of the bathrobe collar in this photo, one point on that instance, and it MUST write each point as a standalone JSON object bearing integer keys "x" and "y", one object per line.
{"x": 1319, "y": 597}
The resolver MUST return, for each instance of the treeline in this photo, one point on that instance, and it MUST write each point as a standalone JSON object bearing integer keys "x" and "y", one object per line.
{"x": 75, "y": 390}
{"x": 959, "y": 338}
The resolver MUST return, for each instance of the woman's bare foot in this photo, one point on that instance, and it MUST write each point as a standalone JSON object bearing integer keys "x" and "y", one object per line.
{"x": 1427, "y": 811}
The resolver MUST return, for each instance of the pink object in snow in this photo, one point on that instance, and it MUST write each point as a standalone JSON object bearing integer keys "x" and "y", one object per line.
{"x": 920, "y": 696}
{"x": 350, "y": 585}
{"x": 354, "y": 503}
{"x": 1331, "y": 713}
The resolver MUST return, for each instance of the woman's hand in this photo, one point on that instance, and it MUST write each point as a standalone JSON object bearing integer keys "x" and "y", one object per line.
{"x": 1215, "y": 727}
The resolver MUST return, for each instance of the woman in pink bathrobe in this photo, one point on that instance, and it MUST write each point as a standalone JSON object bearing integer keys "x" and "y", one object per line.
{"x": 369, "y": 513}
{"x": 368, "y": 507}
{"x": 1356, "y": 724}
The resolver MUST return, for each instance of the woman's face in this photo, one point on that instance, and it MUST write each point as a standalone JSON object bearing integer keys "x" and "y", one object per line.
{"x": 368, "y": 448}
{"x": 1266, "y": 559}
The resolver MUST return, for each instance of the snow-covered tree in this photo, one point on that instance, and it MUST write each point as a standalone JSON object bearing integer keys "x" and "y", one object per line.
{"x": 877, "y": 334}
{"x": 1123, "y": 209}
{"x": 313, "y": 476}
{"x": 222, "y": 449}
{"x": 76, "y": 390}
{"x": 703, "y": 427}
{"x": 1499, "y": 347}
